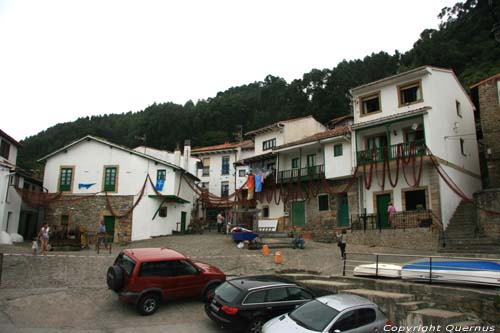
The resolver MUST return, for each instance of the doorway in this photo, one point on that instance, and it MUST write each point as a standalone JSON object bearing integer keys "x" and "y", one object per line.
{"x": 183, "y": 221}
{"x": 109, "y": 222}
{"x": 299, "y": 213}
{"x": 383, "y": 201}
{"x": 343, "y": 210}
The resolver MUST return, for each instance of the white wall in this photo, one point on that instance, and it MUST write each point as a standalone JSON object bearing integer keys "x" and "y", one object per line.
{"x": 10, "y": 202}
{"x": 12, "y": 152}
{"x": 276, "y": 133}
{"x": 215, "y": 177}
{"x": 338, "y": 166}
{"x": 299, "y": 129}
{"x": 450, "y": 200}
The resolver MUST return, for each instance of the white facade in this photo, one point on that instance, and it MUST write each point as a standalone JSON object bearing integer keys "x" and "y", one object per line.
{"x": 10, "y": 201}
{"x": 88, "y": 158}
{"x": 439, "y": 118}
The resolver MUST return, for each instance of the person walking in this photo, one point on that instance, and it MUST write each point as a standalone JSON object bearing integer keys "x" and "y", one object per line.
{"x": 102, "y": 234}
{"x": 392, "y": 214}
{"x": 342, "y": 243}
{"x": 220, "y": 222}
{"x": 43, "y": 236}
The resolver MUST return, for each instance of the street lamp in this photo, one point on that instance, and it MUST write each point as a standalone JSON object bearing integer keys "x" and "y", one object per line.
{"x": 496, "y": 26}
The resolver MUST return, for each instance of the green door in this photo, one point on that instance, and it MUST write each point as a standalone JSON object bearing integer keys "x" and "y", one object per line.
{"x": 299, "y": 213}
{"x": 109, "y": 222}
{"x": 183, "y": 221}
{"x": 343, "y": 210}
{"x": 382, "y": 214}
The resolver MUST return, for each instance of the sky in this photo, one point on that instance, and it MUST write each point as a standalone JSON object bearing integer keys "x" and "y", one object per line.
{"x": 65, "y": 59}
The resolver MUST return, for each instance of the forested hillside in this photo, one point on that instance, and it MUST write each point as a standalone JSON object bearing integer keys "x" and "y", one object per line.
{"x": 463, "y": 43}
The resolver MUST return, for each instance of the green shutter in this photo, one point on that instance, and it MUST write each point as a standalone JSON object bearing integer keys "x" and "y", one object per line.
{"x": 110, "y": 179}
{"x": 65, "y": 179}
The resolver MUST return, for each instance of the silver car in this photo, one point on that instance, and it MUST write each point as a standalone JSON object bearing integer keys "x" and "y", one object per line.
{"x": 332, "y": 314}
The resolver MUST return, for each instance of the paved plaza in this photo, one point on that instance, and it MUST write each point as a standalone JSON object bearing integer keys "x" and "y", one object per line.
{"x": 66, "y": 291}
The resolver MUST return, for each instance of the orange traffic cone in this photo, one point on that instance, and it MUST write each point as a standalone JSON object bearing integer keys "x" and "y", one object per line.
{"x": 277, "y": 257}
{"x": 265, "y": 250}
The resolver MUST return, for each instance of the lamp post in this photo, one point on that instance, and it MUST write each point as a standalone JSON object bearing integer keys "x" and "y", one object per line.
{"x": 496, "y": 26}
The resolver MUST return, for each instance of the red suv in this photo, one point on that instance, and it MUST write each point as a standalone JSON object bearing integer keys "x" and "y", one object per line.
{"x": 145, "y": 277}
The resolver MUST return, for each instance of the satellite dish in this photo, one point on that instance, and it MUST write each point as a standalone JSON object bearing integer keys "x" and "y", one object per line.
{"x": 414, "y": 126}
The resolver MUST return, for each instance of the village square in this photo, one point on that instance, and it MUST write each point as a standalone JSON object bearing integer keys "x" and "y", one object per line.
{"x": 364, "y": 198}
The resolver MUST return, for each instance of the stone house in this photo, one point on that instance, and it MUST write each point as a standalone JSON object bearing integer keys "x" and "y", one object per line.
{"x": 136, "y": 194}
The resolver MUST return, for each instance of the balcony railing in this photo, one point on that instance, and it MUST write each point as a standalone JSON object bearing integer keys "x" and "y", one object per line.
{"x": 417, "y": 147}
{"x": 402, "y": 220}
{"x": 304, "y": 174}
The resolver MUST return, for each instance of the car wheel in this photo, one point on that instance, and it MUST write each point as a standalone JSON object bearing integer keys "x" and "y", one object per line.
{"x": 256, "y": 325}
{"x": 114, "y": 278}
{"x": 148, "y": 304}
{"x": 208, "y": 294}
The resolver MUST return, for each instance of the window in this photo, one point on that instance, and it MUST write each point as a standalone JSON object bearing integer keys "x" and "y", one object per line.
{"x": 163, "y": 211}
{"x": 376, "y": 141}
{"x": 415, "y": 200}
{"x": 311, "y": 160}
{"x": 410, "y": 93}
{"x": 265, "y": 211}
{"x": 4, "y": 149}
{"x": 183, "y": 268}
{"x": 241, "y": 173}
{"x": 206, "y": 167}
{"x": 224, "y": 189}
{"x": 110, "y": 174}
{"x": 277, "y": 295}
{"x": 459, "y": 109}
{"x": 155, "y": 268}
{"x": 295, "y": 163}
{"x": 65, "y": 179}
{"x": 366, "y": 316}
{"x": 268, "y": 144}
{"x": 462, "y": 143}
{"x": 64, "y": 219}
{"x": 337, "y": 150}
{"x": 297, "y": 294}
{"x": 225, "y": 165}
{"x": 161, "y": 174}
{"x": 370, "y": 104}
{"x": 255, "y": 297}
{"x": 346, "y": 322}
{"x": 323, "y": 202}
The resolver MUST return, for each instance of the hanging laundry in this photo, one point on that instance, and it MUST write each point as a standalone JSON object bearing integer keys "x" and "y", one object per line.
{"x": 85, "y": 186}
{"x": 250, "y": 186}
{"x": 159, "y": 184}
{"x": 258, "y": 182}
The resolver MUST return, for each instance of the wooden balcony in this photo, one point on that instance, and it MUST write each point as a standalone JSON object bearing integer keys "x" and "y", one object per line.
{"x": 303, "y": 174}
{"x": 377, "y": 154}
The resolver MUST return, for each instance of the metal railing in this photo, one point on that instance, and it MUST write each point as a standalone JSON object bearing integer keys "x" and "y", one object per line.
{"x": 430, "y": 268}
{"x": 304, "y": 174}
{"x": 401, "y": 220}
{"x": 377, "y": 153}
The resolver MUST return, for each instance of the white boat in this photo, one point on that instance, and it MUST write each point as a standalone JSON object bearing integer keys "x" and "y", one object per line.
{"x": 384, "y": 270}
{"x": 468, "y": 272}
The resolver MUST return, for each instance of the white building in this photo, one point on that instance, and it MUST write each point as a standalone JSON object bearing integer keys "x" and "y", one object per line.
{"x": 10, "y": 201}
{"x": 101, "y": 180}
{"x": 411, "y": 115}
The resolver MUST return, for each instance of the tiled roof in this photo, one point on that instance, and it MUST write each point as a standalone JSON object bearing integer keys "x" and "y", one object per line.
{"x": 228, "y": 145}
{"x": 318, "y": 136}
{"x": 10, "y": 139}
{"x": 494, "y": 77}
{"x": 339, "y": 119}
{"x": 268, "y": 127}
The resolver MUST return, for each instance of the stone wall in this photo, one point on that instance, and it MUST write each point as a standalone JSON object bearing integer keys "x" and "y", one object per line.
{"x": 413, "y": 239}
{"x": 322, "y": 224}
{"x": 87, "y": 212}
{"x": 490, "y": 118}
{"x": 488, "y": 223}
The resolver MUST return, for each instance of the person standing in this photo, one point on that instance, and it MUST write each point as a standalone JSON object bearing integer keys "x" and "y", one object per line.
{"x": 102, "y": 234}
{"x": 342, "y": 243}
{"x": 220, "y": 222}
{"x": 43, "y": 235}
{"x": 34, "y": 246}
{"x": 392, "y": 214}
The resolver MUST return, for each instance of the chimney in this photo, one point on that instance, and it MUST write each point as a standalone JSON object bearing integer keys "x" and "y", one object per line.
{"x": 177, "y": 156}
{"x": 186, "y": 154}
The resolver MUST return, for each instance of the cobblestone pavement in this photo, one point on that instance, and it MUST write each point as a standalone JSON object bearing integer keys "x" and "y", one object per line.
{"x": 66, "y": 291}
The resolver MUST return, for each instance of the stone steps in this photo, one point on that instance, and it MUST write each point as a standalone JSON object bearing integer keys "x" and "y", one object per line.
{"x": 430, "y": 316}
{"x": 327, "y": 285}
{"x": 379, "y": 296}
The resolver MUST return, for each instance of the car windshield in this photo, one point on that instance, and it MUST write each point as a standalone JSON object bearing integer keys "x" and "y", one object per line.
{"x": 227, "y": 292}
{"x": 313, "y": 315}
{"x": 126, "y": 263}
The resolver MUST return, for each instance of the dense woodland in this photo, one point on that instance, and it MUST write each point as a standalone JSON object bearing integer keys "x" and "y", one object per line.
{"x": 463, "y": 43}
